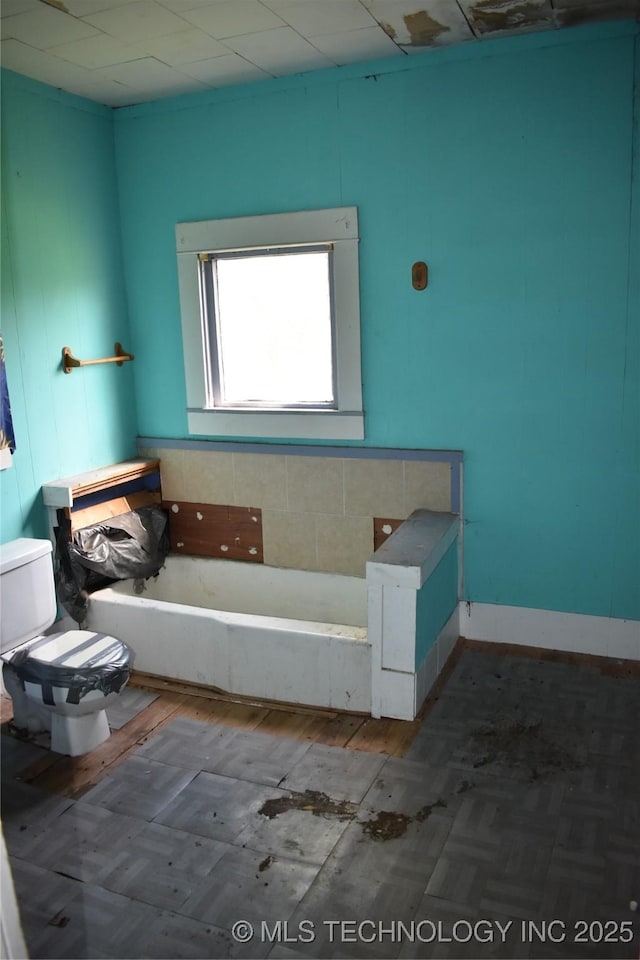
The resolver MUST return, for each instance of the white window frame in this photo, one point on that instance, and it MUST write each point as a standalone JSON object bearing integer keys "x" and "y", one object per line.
{"x": 338, "y": 226}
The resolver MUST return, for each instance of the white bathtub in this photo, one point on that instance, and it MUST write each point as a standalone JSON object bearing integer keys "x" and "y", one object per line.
{"x": 259, "y": 631}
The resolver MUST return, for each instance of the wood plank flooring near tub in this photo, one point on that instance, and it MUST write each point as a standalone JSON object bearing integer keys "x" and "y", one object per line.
{"x": 74, "y": 776}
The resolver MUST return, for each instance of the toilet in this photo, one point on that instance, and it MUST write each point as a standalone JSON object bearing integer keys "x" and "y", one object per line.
{"x": 62, "y": 682}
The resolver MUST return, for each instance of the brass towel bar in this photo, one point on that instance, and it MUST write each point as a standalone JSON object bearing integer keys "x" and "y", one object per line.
{"x": 69, "y": 361}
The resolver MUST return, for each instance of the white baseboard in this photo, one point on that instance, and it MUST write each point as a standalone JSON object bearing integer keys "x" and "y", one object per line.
{"x": 551, "y": 630}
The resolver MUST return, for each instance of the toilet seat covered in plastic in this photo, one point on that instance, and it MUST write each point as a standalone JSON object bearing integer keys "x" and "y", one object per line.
{"x": 80, "y": 660}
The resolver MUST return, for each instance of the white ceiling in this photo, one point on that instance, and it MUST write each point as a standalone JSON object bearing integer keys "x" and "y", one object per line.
{"x": 119, "y": 52}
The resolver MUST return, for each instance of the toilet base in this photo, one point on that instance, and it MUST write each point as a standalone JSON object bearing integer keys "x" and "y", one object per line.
{"x": 77, "y": 735}
{"x": 75, "y": 728}
{"x": 71, "y": 735}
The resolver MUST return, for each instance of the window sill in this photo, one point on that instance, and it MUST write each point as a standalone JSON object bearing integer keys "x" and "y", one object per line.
{"x": 281, "y": 424}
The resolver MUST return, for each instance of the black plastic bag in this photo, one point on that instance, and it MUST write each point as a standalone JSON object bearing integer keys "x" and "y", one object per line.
{"x": 133, "y": 545}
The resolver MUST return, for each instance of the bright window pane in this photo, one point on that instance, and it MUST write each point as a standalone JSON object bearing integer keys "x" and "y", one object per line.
{"x": 274, "y": 329}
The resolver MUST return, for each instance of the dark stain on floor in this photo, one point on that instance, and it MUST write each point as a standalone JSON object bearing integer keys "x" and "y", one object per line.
{"x": 385, "y": 825}
{"x": 425, "y": 812}
{"x": 313, "y": 801}
{"x": 525, "y": 744}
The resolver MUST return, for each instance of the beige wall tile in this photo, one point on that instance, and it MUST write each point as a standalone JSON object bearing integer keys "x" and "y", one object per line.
{"x": 344, "y": 544}
{"x": 427, "y": 486}
{"x": 315, "y": 485}
{"x": 259, "y": 480}
{"x": 289, "y": 540}
{"x": 171, "y": 474}
{"x": 374, "y": 488}
{"x": 207, "y": 476}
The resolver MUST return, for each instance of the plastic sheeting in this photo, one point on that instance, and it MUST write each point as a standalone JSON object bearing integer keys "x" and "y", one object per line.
{"x": 133, "y": 545}
{"x": 105, "y": 667}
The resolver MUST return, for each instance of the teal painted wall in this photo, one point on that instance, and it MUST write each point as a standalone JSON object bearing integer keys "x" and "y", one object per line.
{"x": 436, "y": 601}
{"x": 507, "y": 166}
{"x": 62, "y": 285}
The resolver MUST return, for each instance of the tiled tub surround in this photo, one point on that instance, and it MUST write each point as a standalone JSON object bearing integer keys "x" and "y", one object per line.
{"x": 318, "y": 504}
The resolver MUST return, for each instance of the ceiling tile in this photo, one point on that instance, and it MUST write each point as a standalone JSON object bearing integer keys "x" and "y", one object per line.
{"x": 84, "y": 8}
{"x": 225, "y": 71}
{"x": 355, "y": 45}
{"x": 46, "y": 27}
{"x": 38, "y": 64}
{"x": 94, "y": 87}
{"x": 181, "y": 6}
{"x": 140, "y": 20}
{"x": 329, "y": 17}
{"x": 145, "y": 72}
{"x": 185, "y": 47}
{"x": 233, "y": 18}
{"x": 150, "y": 79}
{"x": 279, "y": 52}
{"x": 129, "y": 51}
{"x": 9, "y": 8}
{"x": 94, "y": 52}
{"x": 418, "y": 26}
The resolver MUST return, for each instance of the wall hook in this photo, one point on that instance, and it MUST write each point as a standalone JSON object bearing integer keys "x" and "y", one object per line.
{"x": 419, "y": 275}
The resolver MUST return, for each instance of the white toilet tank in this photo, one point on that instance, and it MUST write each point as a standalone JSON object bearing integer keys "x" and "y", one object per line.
{"x": 27, "y": 592}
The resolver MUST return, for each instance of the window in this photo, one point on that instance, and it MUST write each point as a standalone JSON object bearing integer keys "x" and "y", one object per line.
{"x": 270, "y": 324}
{"x": 270, "y": 316}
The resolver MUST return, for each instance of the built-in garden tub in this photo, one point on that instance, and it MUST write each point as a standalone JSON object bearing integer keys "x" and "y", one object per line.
{"x": 374, "y": 645}
{"x": 251, "y": 629}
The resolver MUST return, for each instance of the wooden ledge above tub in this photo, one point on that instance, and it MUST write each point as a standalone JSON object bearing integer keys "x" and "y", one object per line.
{"x": 97, "y": 495}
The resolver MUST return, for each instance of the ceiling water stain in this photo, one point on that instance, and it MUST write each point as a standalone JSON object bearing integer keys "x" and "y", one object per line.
{"x": 491, "y": 15}
{"x": 57, "y": 4}
{"x": 423, "y": 29}
{"x": 584, "y": 13}
{"x": 388, "y": 29}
